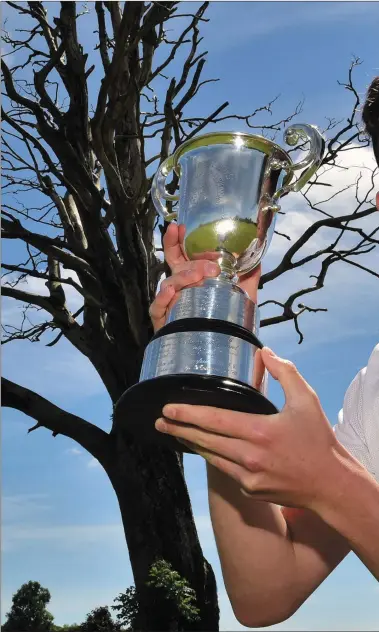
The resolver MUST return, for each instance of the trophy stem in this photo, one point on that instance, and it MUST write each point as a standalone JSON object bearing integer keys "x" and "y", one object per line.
{"x": 227, "y": 263}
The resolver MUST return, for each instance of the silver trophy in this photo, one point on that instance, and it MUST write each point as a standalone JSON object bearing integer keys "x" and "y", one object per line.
{"x": 229, "y": 187}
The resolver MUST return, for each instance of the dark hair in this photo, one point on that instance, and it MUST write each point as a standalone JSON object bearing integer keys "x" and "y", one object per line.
{"x": 370, "y": 115}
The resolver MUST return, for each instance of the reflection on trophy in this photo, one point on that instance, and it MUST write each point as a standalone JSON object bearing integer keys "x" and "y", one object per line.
{"x": 229, "y": 188}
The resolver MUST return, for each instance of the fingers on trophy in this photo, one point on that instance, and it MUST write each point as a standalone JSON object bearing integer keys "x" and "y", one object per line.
{"x": 230, "y": 185}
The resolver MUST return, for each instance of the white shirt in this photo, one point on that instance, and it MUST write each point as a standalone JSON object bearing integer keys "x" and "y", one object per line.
{"x": 358, "y": 421}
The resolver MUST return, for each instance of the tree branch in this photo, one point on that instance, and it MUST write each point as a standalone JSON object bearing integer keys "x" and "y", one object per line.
{"x": 53, "y": 278}
{"x": 103, "y": 37}
{"x": 63, "y": 318}
{"x": 59, "y": 421}
{"x": 329, "y": 222}
{"x": 50, "y": 246}
{"x": 192, "y": 26}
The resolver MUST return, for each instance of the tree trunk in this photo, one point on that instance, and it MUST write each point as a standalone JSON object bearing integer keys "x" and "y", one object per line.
{"x": 158, "y": 523}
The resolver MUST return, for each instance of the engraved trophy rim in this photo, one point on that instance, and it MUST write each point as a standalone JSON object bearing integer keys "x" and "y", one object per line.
{"x": 250, "y": 141}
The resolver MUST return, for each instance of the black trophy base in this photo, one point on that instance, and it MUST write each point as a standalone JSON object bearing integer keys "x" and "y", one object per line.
{"x": 138, "y": 408}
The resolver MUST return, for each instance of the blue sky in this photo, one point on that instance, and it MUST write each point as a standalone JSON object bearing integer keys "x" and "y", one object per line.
{"x": 61, "y": 520}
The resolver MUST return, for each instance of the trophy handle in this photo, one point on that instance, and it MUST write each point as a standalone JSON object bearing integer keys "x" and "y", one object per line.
{"x": 312, "y": 161}
{"x": 159, "y": 191}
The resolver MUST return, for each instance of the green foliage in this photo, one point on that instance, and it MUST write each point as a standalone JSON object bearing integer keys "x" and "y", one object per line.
{"x": 176, "y": 589}
{"x": 28, "y": 612}
{"x": 127, "y": 608}
{"x": 171, "y": 595}
{"x": 99, "y": 620}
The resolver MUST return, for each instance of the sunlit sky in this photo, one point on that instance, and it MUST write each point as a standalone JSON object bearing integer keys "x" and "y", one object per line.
{"x": 61, "y": 520}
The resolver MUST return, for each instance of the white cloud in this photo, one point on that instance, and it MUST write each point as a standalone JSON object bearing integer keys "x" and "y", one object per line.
{"x": 346, "y": 287}
{"x": 350, "y": 296}
{"x": 62, "y": 369}
{"x": 294, "y": 224}
{"x": 12, "y": 309}
{"x": 353, "y": 175}
{"x": 93, "y": 463}
{"x": 74, "y": 451}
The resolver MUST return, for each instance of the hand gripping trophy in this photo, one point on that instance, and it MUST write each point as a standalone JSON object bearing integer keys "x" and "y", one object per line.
{"x": 229, "y": 187}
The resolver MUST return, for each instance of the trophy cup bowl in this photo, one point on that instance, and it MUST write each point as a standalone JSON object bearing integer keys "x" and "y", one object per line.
{"x": 229, "y": 187}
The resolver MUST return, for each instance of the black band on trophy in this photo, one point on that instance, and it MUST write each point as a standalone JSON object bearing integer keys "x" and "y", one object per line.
{"x": 207, "y": 324}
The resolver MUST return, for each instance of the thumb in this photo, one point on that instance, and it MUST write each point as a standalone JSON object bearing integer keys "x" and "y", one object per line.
{"x": 292, "y": 383}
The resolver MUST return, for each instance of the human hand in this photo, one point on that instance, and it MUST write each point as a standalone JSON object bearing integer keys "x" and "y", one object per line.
{"x": 286, "y": 458}
{"x": 188, "y": 274}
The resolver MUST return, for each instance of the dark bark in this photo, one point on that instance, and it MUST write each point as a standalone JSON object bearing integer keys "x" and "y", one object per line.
{"x": 154, "y": 504}
{"x": 152, "y": 492}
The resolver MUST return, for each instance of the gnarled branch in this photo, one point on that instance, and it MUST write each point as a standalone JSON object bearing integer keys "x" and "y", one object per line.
{"x": 50, "y": 416}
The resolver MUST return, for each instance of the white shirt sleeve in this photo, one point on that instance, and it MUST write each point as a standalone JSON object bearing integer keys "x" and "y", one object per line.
{"x": 358, "y": 422}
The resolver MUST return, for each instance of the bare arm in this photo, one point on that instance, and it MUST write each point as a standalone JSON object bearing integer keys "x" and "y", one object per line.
{"x": 271, "y": 559}
{"x": 351, "y": 506}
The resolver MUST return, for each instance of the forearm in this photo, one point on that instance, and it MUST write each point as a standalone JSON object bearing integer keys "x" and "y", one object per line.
{"x": 272, "y": 559}
{"x": 351, "y": 507}
{"x": 255, "y": 550}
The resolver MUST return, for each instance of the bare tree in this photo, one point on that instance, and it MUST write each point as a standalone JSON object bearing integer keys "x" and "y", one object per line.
{"x": 88, "y": 171}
